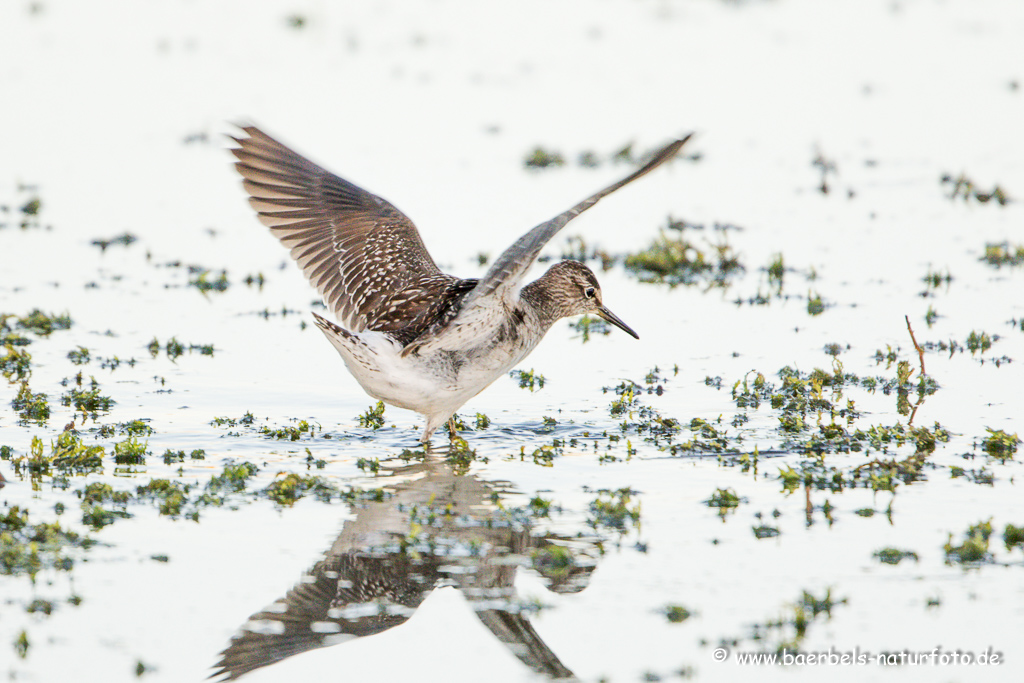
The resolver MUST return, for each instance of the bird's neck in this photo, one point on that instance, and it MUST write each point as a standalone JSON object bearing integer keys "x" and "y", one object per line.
{"x": 538, "y": 298}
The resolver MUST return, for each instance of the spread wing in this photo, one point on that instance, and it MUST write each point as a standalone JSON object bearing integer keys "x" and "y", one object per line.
{"x": 363, "y": 255}
{"x": 508, "y": 270}
{"x": 506, "y": 273}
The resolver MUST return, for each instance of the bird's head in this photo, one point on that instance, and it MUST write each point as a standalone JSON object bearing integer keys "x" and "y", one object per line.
{"x": 575, "y": 290}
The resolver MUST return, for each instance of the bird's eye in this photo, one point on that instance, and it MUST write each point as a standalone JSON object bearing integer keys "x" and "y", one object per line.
{"x": 589, "y": 292}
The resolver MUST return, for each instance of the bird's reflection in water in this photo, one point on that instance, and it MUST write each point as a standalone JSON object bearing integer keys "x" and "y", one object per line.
{"x": 431, "y": 528}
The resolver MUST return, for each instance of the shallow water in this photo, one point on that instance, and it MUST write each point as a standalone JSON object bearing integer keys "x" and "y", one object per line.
{"x": 524, "y": 555}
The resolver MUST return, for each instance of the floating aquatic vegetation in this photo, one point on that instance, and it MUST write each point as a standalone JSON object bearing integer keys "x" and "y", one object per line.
{"x": 981, "y": 476}
{"x": 999, "y": 254}
{"x": 674, "y": 260}
{"x": 826, "y": 167}
{"x": 815, "y": 304}
{"x": 776, "y": 271}
{"x": 894, "y": 555}
{"x": 290, "y": 433}
{"x": 176, "y": 349}
{"x": 611, "y": 510}
{"x": 725, "y": 500}
{"x": 373, "y": 418}
{"x": 16, "y": 364}
{"x": 286, "y": 489}
{"x": 233, "y": 479}
{"x": 676, "y": 614}
{"x": 1013, "y": 537}
{"x": 204, "y": 281}
{"x": 30, "y": 406}
{"x": 933, "y": 279}
{"x": 171, "y": 456}
{"x": 258, "y": 280}
{"x": 785, "y": 634}
{"x": 93, "y": 497}
{"x": 29, "y": 211}
{"x": 170, "y": 496}
{"x": 131, "y": 452}
{"x": 371, "y": 465}
{"x": 528, "y": 379}
{"x": 980, "y": 341}
{"x": 587, "y": 325}
{"x": 79, "y": 356}
{"x": 38, "y": 322}
{"x": 124, "y": 239}
{"x": 26, "y": 548}
{"x": 999, "y": 444}
{"x": 974, "y": 548}
{"x": 70, "y": 454}
{"x": 542, "y": 158}
{"x": 963, "y": 187}
{"x": 246, "y": 419}
{"x": 89, "y": 401}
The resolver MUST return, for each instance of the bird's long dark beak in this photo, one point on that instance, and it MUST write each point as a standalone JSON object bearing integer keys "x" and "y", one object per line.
{"x": 615, "y": 320}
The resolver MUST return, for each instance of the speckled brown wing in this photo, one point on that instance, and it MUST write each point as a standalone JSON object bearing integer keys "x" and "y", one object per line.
{"x": 363, "y": 255}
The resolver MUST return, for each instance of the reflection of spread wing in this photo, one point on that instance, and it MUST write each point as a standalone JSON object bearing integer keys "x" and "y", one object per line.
{"x": 344, "y": 597}
{"x": 363, "y": 255}
{"x": 516, "y": 632}
{"x": 507, "y": 272}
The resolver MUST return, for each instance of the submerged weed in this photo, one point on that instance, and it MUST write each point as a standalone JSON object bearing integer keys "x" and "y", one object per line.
{"x": 676, "y": 614}
{"x": 980, "y": 341}
{"x": 124, "y": 239}
{"x": 542, "y": 158}
{"x": 135, "y": 428}
{"x": 130, "y": 452}
{"x": 246, "y": 420}
{"x": 79, "y": 356}
{"x": 1013, "y": 537}
{"x": 528, "y": 379}
{"x": 44, "y": 324}
{"x": 171, "y": 496}
{"x": 974, "y": 549}
{"x": 89, "y": 401}
{"x": 999, "y": 444}
{"x": 965, "y": 188}
{"x": 999, "y": 254}
{"x": 894, "y": 555}
{"x": 16, "y": 364}
{"x": 725, "y": 500}
{"x": 674, "y": 260}
{"x": 203, "y": 280}
{"x": 70, "y": 454}
{"x": 31, "y": 407}
{"x": 26, "y": 548}
{"x": 286, "y": 489}
{"x": 815, "y": 304}
{"x": 290, "y": 433}
{"x": 233, "y": 479}
{"x": 588, "y": 325}
{"x": 611, "y": 510}
{"x": 373, "y": 418}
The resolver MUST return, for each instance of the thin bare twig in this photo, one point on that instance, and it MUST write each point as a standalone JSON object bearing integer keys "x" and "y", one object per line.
{"x": 920, "y": 351}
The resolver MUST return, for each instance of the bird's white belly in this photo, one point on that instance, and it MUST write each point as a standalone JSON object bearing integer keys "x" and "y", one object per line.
{"x": 431, "y": 383}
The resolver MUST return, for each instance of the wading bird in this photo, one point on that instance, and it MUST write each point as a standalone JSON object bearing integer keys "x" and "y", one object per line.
{"x": 412, "y": 336}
